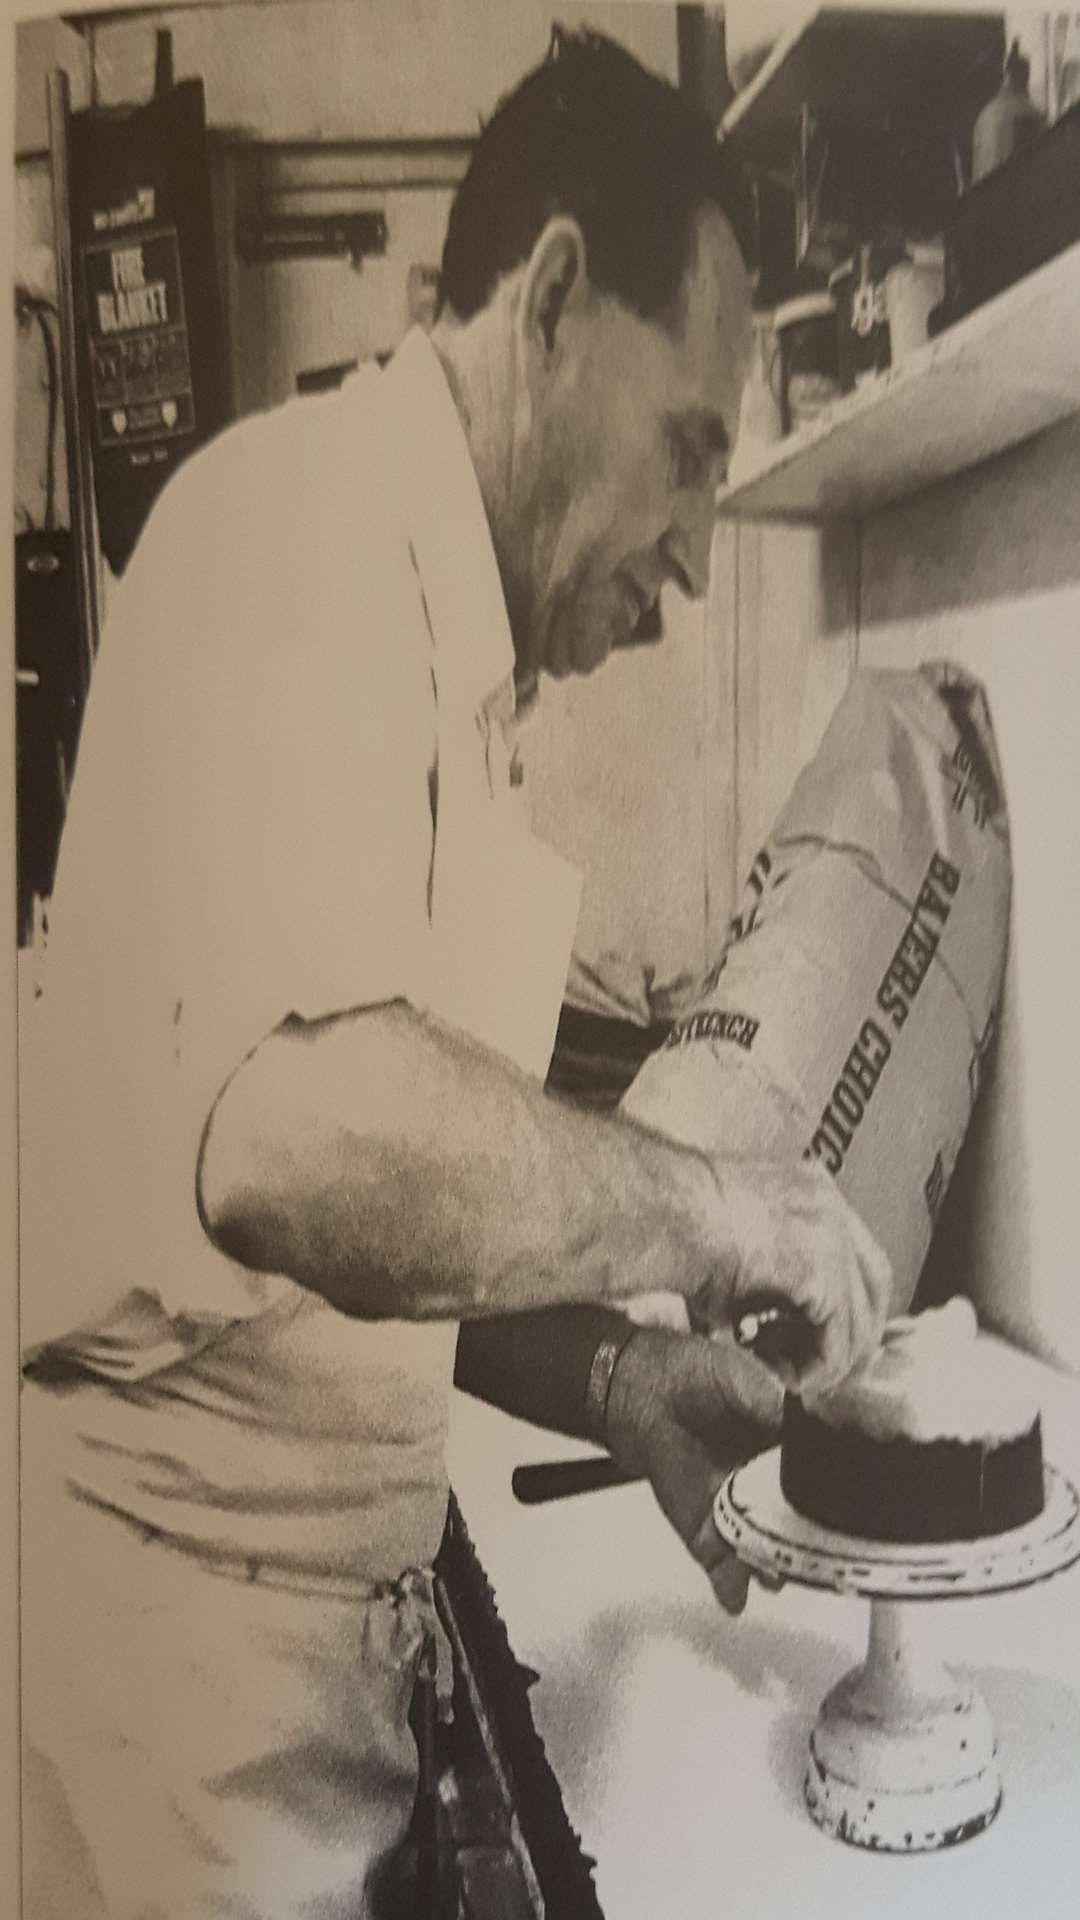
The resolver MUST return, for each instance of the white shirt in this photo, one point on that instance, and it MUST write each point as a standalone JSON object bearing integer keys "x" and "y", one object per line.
{"x": 309, "y": 654}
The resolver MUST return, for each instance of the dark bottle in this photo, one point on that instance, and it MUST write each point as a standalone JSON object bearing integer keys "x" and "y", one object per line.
{"x": 1008, "y": 120}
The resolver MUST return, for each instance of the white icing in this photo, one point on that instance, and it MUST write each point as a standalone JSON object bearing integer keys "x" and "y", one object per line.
{"x": 934, "y": 1377}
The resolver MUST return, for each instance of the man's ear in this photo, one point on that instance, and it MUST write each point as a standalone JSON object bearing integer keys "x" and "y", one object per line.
{"x": 556, "y": 283}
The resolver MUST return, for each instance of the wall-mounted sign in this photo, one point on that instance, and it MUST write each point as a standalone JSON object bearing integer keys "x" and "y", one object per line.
{"x": 151, "y": 342}
{"x": 140, "y": 358}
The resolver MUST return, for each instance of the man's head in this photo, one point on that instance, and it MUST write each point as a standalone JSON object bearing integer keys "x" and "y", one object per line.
{"x": 595, "y": 310}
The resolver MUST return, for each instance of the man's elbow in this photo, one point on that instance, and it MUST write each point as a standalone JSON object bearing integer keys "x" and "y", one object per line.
{"x": 295, "y": 1177}
{"x": 274, "y": 1206}
{"x": 230, "y": 1190}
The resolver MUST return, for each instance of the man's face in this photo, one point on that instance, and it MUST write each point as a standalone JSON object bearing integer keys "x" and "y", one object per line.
{"x": 635, "y": 434}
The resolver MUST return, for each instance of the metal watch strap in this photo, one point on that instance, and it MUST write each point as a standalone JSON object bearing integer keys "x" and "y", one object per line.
{"x": 598, "y": 1386}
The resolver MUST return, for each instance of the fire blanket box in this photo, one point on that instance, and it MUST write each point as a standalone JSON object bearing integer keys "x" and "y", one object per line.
{"x": 148, "y": 306}
{"x": 850, "y": 1017}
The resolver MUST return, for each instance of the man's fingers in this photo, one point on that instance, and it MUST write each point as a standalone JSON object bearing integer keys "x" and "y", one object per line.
{"x": 838, "y": 1277}
{"x": 729, "y": 1576}
{"x": 729, "y": 1579}
{"x": 744, "y": 1389}
{"x": 787, "y": 1232}
{"x": 730, "y": 1582}
{"x": 858, "y": 1299}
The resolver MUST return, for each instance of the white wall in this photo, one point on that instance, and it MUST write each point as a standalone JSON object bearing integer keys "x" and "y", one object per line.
{"x": 348, "y": 69}
{"x": 287, "y": 317}
{"x": 621, "y": 771}
{"x": 41, "y": 45}
{"x": 986, "y": 570}
{"x": 797, "y": 608}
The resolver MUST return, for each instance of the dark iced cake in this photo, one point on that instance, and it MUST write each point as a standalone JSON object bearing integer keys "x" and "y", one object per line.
{"x": 938, "y": 1437}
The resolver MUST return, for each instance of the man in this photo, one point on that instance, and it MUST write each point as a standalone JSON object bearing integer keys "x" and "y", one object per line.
{"x": 305, "y": 972}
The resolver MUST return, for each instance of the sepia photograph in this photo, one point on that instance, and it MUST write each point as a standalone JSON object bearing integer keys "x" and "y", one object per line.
{"x": 545, "y": 1018}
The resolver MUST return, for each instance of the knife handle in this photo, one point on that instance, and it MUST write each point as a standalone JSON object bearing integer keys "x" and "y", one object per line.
{"x": 558, "y": 1479}
{"x": 775, "y": 1331}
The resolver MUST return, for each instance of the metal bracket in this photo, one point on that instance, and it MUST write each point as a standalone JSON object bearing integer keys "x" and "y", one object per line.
{"x": 315, "y": 236}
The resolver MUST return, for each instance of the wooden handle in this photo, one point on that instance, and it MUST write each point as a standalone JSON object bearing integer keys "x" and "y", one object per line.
{"x": 775, "y": 1330}
{"x": 558, "y": 1479}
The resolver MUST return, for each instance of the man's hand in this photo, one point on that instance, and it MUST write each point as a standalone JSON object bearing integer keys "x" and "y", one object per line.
{"x": 684, "y": 1410}
{"x": 784, "y": 1229}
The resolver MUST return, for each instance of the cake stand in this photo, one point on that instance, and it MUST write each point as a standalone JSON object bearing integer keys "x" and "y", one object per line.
{"x": 903, "y": 1757}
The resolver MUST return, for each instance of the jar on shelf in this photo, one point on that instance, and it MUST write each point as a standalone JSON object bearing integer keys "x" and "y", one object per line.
{"x": 760, "y": 421}
{"x": 862, "y": 316}
{"x": 809, "y": 362}
{"x": 914, "y": 286}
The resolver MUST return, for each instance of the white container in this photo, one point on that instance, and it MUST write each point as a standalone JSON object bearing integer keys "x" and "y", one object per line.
{"x": 1068, "y": 76}
{"x": 760, "y": 424}
{"x": 809, "y": 358}
{"x": 913, "y": 288}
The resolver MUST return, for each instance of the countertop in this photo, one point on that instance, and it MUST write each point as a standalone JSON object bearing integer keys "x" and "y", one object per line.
{"x": 678, "y": 1736}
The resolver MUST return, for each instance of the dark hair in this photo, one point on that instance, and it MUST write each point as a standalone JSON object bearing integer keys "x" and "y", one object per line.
{"x": 591, "y": 134}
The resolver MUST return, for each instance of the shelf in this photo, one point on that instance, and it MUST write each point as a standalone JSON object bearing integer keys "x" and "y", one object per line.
{"x": 1008, "y": 371}
{"x": 873, "y": 64}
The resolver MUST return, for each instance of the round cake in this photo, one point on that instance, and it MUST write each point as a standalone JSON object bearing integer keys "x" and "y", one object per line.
{"x": 937, "y": 1437}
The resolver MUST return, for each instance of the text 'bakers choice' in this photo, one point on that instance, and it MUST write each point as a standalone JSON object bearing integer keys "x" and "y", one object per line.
{"x": 863, "y": 1066}
{"x": 133, "y": 301}
{"x": 903, "y": 977}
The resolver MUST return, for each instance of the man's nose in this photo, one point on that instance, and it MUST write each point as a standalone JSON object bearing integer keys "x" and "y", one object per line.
{"x": 687, "y": 545}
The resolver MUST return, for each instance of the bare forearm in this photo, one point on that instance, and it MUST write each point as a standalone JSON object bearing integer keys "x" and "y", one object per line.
{"x": 404, "y": 1172}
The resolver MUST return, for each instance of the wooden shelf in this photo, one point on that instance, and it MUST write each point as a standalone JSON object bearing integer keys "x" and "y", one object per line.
{"x": 1008, "y": 371}
{"x": 873, "y": 64}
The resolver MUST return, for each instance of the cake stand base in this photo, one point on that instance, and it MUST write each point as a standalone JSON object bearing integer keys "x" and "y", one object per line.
{"x": 902, "y": 1755}
{"x": 902, "y": 1758}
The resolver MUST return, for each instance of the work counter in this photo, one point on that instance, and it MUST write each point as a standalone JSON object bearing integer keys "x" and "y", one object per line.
{"x": 678, "y": 1736}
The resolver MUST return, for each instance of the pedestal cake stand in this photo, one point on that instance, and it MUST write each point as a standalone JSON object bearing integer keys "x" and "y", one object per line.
{"x": 903, "y": 1756}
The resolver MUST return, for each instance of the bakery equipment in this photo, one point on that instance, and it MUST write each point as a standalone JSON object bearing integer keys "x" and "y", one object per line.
{"x": 542, "y": 1480}
{"x": 903, "y": 1755}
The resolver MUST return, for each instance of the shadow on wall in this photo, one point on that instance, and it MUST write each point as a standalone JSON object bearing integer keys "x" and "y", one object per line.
{"x": 836, "y": 581}
{"x": 1011, "y": 529}
{"x": 952, "y": 1262}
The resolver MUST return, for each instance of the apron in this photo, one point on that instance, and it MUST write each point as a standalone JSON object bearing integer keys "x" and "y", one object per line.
{"x": 204, "y": 1740}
